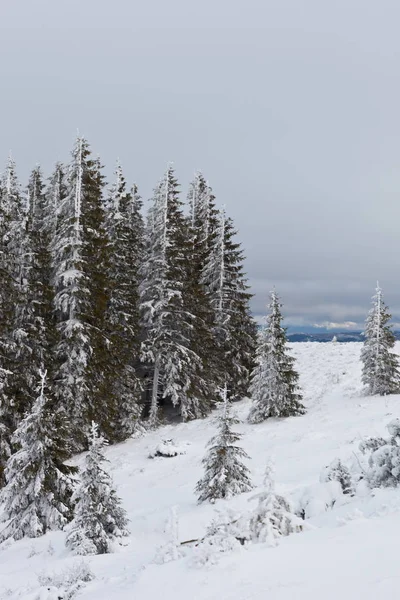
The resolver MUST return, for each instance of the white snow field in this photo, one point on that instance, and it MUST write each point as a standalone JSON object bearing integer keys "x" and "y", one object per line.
{"x": 349, "y": 552}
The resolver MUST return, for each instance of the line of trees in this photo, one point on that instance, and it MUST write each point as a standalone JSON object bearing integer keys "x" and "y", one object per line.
{"x": 115, "y": 307}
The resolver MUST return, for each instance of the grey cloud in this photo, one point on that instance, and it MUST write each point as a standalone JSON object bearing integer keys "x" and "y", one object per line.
{"x": 290, "y": 108}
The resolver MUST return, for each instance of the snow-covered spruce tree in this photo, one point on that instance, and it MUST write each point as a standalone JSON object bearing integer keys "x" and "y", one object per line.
{"x": 380, "y": 366}
{"x": 204, "y": 216}
{"x": 274, "y": 388}
{"x": 337, "y": 471}
{"x": 7, "y": 419}
{"x": 170, "y": 344}
{"x": 99, "y": 518}
{"x": 34, "y": 327}
{"x": 38, "y": 490}
{"x": 83, "y": 381}
{"x": 41, "y": 324}
{"x": 273, "y": 516}
{"x": 55, "y": 193}
{"x": 227, "y": 289}
{"x": 225, "y": 474}
{"x": 125, "y": 227}
{"x": 12, "y": 297}
{"x": 172, "y": 549}
{"x": 203, "y": 221}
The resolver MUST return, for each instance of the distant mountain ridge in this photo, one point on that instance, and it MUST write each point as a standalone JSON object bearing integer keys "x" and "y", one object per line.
{"x": 341, "y": 336}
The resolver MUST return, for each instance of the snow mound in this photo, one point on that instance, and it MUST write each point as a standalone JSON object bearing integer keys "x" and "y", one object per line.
{"x": 168, "y": 448}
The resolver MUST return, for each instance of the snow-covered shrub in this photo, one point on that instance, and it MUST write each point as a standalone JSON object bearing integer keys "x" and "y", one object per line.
{"x": 337, "y": 471}
{"x": 167, "y": 448}
{"x": 273, "y": 517}
{"x": 67, "y": 583}
{"x": 372, "y": 444}
{"x": 317, "y": 499}
{"x": 394, "y": 428}
{"x": 383, "y": 458}
{"x": 171, "y": 550}
{"x": 221, "y": 536}
{"x": 384, "y": 466}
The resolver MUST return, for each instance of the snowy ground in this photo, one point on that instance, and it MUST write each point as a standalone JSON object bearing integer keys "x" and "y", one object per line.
{"x": 349, "y": 553}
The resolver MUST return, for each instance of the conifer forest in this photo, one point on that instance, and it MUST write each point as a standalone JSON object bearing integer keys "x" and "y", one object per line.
{"x": 121, "y": 321}
{"x": 129, "y": 314}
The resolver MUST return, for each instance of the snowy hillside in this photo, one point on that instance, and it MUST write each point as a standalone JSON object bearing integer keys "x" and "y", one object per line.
{"x": 349, "y": 552}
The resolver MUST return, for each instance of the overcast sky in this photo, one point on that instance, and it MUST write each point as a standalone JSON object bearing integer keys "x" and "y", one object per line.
{"x": 290, "y": 107}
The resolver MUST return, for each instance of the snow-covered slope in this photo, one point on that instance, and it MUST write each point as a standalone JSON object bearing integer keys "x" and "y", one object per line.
{"x": 350, "y": 551}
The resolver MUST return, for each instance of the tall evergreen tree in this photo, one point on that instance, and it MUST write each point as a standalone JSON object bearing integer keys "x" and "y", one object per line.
{"x": 82, "y": 381}
{"x": 125, "y": 232}
{"x": 227, "y": 288}
{"x": 167, "y": 308}
{"x": 15, "y": 209}
{"x": 380, "y": 366}
{"x": 225, "y": 474}
{"x": 37, "y": 495}
{"x": 6, "y": 423}
{"x": 55, "y": 195}
{"x": 203, "y": 221}
{"x": 274, "y": 386}
{"x": 41, "y": 324}
{"x": 99, "y": 517}
{"x": 204, "y": 216}
{"x": 13, "y": 254}
{"x": 34, "y": 327}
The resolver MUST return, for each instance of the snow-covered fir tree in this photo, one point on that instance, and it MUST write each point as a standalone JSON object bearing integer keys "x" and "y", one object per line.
{"x": 9, "y": 299}
{"x": 380, "y": 365}
{"x": 72, "y": 296}
{"x": 203, "y": 220}
{"x": 273, "y": 516}
{"x": 38, "y": 490}
{"x": 99, "y": 518}
{"x": 83, "y": 381}
{"x": 225, "y": 473}
{"x": 55, "y": 193}
{"x": 7, "y": 424}
{"x": 337, "y": 471}
{"x": 172, "y": 549}
{"x": 41, "y": 324}
{"x": 274, "y": 384}
{"x": 15, "y": 208}
{"x": 125, "y": 227}
{"x": 169, "y": 321}
{"x": 34, "y": 326}
{"x": 13, "y": 300}
{"x": 227, "y": 289}
{"x": 204, "y": 215}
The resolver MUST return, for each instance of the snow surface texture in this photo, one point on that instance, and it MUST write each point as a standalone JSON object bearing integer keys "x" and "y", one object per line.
{"x": 349, "y": 551}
